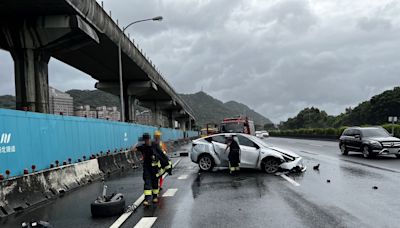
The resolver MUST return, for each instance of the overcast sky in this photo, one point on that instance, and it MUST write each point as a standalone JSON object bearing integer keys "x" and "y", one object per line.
{"x": 276, "y": 56}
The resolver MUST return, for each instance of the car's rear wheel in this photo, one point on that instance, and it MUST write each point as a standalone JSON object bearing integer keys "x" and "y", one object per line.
{"x": 270, "y": 165}
{"x": 206, "y": 163}
{"x": 343, "y": 149}
{"x": 397, "y": 155}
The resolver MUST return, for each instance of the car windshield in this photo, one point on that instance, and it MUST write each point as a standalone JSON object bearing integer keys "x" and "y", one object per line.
{"x": 260, "y": 142}
{"x": 232, "y": 127}
{"x": 374, "y": 132}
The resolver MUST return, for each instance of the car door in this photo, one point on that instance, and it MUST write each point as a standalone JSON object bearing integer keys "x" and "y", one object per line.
{"x": 219, "y": 143}
{"x": 357, "y": 143}
{"x": 249, "y": 152}
{"x": 350, "y": 138}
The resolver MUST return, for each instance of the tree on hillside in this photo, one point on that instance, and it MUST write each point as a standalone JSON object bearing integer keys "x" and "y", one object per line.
{"x": 307, "y": 118}
{"x": 372, "y": 112}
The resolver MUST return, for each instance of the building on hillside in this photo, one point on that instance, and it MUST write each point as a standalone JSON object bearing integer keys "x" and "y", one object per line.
{"x": 85, "y": 111}
{"x": 101, "y": 112}
{"x": 143, "y": 117}
{"x": 60, "y": 103}
{"x": 108, "y": 113}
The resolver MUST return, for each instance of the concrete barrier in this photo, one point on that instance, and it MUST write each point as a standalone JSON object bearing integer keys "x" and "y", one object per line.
{"x": 19, "y": 193}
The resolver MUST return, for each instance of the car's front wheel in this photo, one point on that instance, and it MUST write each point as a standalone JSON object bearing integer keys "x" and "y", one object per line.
{"x": 367, "y": 152}
{"x": 206, "y": 163}
{"x": 343, "y": 149}
{"x": 270, "y": 165}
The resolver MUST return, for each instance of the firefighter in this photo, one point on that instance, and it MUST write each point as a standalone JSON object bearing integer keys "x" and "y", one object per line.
{"x": 234, "y": 154}
{"x": 151, "y": 167}
{"x": 166, "y": 164}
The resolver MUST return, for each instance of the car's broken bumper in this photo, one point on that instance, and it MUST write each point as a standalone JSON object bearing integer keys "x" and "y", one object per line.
{"x": 296, "y": 165}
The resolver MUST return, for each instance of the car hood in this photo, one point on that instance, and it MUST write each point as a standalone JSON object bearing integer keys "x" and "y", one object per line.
{"x": 383, "y": 139}
{"x": 284, "y": 151}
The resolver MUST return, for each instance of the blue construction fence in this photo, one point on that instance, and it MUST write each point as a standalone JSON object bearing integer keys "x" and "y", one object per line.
{"x": 28, "y": 138}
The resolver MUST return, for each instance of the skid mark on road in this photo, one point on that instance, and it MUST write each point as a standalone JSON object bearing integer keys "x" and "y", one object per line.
{"x": 146, "y": 222}
{"x": 290, "y": 180}
{"x": 170, "y": 192}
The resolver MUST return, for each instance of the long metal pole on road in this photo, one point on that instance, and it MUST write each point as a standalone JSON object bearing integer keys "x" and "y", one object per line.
{"x": 121, "y": 83}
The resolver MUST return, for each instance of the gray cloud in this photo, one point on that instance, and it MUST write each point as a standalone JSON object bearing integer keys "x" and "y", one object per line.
{"x": 276, "y": 56}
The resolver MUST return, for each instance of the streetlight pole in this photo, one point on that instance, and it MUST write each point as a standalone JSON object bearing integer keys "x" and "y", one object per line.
{"x": 121, "y": 86}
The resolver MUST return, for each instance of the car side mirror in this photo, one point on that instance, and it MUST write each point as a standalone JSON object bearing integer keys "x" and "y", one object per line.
{"x": 357, "y": 136}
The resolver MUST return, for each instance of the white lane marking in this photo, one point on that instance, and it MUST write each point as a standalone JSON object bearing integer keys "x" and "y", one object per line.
{"x": 170, "y": 192}
{"x": 126, "y": 215}
{"x": 135, "y": 205}
{"x": 183, "y": 177}
{"x": 146, "y": 222}
{"x": 290, "y": 180}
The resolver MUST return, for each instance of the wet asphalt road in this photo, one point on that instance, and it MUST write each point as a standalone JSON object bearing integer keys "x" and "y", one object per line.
{"x": 252, "y": 198}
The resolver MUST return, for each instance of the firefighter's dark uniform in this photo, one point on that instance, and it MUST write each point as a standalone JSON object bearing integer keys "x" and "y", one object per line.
{"x": 165, "y": 162}
{"x": 234, "y": 156}
{"x": 151, "y": 166}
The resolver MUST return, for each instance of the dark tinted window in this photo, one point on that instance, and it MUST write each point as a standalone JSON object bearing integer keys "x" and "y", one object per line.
{"x": 350, "y": 132}
{"x": 375, "y": 132}
{"x": 243, "y": 141}
{"x": 232, "y": 127}
{"x": 346, "y": 132}
{"x": 219, "y": 138}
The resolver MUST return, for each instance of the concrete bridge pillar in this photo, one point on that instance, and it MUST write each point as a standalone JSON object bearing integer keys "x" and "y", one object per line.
{"x": 182, "y": 124}
{"x": 171, "y": 119}
{"x": 31, "y": 79}
{"x": 155, "y": 114}
{"x": 31, "y": 43}
{"x": 190, "y": 124}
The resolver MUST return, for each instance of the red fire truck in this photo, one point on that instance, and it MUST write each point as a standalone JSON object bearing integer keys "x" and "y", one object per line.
{"x": 238, "y": 125}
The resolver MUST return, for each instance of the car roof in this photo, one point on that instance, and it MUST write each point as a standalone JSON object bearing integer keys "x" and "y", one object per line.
{"x": 360, "y": 128}
{"x": 226, "y": 134}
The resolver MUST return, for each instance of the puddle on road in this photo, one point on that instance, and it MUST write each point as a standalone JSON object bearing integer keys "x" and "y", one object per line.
{"x": 359, "y": 172}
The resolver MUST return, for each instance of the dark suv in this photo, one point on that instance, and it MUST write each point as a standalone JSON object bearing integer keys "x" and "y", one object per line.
{"x": 371, "y": 141}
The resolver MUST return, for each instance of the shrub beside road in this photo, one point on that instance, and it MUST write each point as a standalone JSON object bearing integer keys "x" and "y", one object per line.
{"x": 326, "y": 133}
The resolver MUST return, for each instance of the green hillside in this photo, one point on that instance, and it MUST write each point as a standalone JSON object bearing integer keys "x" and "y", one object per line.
{"x": 210, "y": 110}
{"x": 372, "y": 112}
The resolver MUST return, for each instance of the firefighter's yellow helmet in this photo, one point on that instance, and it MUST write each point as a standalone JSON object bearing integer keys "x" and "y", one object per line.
{"x": 157, "y": 133}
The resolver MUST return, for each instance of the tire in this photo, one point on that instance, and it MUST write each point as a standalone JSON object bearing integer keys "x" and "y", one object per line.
{"x": 206, "y": 163}
{"x": 366, "y": 152}
{"x": 398, "y": 156}
{"x": 270, "y": 165}
{"x": 343, "y": 149}
{"x": 115, "y": 206}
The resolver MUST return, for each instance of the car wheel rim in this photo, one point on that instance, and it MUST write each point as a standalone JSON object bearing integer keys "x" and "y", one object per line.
{"x": 365, "y": 152}
{"x": 271, "y": 166}
{"x": 343, "y": 149}
{"x": 205, "y": 163}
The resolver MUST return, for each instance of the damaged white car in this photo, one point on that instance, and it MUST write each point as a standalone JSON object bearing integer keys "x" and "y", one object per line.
{"x": 209, "y": 152}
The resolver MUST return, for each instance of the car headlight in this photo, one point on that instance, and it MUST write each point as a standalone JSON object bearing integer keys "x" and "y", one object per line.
{"x": 376, "y": 144}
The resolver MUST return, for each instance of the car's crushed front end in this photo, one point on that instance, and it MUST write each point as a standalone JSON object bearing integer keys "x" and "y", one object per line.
{"x": 290, "y": 160}
{"x": 295, "y": 165}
